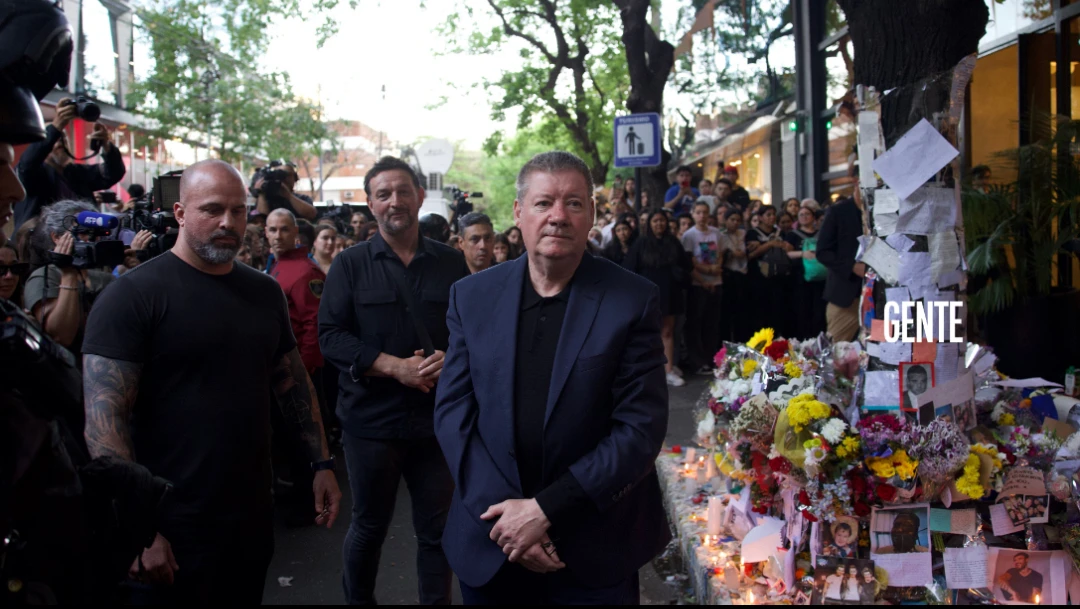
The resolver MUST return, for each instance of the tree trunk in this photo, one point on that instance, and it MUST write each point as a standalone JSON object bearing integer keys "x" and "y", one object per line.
{"x": 649, "y": 60}
{"x": 900, "y": 43}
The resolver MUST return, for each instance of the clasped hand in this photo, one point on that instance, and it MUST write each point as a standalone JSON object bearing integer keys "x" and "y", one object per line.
{"x": 419, "y": 372}
{"x": 521, "y": 532}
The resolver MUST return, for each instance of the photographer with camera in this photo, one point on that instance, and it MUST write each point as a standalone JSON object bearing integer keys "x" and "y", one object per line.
{"x": 272, "y": 186}
{"x": 48, "y": 171}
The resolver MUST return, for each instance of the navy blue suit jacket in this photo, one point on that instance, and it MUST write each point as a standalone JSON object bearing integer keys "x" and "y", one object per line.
{"x": 605, "y": 422}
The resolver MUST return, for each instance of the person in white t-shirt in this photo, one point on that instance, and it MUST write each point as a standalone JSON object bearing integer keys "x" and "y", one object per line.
{"x": 704, "y": 243}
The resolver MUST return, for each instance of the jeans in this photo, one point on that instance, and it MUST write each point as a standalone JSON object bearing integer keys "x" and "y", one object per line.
{"x": 703, "y": 324}
{"x": 515, "y": 585}
{"x": 375, "y": 469}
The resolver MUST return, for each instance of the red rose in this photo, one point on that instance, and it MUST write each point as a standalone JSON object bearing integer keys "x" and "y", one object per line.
{"x": 781, "y": 465}
{"x": 748, "y": 569}
{"x": 804, "y": 497}
{"x": 761, "y": 510}
{"x": 861, "y": 509}
{"x": 676, "y": 449}
{"x": 777, "y": 350}
{"x": 809, "y": 516}
{"x": 886, "y": 492}
{"x": 858, "y": 484}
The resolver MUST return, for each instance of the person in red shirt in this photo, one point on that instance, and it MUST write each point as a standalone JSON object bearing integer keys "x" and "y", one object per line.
{"x": 302, "y": 281}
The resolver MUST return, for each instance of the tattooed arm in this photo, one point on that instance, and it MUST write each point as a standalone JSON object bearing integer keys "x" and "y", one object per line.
{"x": 296, "y": 397}
{"x": 110, "y": 387}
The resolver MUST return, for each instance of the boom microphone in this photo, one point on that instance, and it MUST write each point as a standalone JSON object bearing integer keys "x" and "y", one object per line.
{"x": 92, "y": 219}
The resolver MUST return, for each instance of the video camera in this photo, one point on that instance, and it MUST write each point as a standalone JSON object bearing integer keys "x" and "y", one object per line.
{"x": 153, "y": 212}
{"x": 460, "y": 198}
{"x": 272, "y": 176}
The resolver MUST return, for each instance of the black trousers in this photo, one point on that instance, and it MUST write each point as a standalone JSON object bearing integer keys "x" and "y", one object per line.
{"x": 515, "y": 585}
{"x": 703, "y": 311}
{"x": 734, "y": 325}
{"x": 375, "y": 469}
{"x": 230, "y": 569}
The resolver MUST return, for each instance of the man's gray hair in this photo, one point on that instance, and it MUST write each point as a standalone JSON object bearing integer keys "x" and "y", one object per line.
{"x": 57, "y": 219}
{"x": 552, "y": 162}
{"x": 283, "y": 212}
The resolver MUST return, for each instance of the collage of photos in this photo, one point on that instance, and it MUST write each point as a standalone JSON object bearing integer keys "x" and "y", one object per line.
{"x": 1024, "y": 509}
{"x": 844, "y": 582}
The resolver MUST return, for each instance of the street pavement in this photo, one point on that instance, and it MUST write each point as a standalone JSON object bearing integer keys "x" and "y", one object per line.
{"x": 309, "y": 559}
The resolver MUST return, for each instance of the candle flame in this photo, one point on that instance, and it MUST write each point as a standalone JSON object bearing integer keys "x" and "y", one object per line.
{"x": 1038, "y": 599}
{"x": 752, "y": 600}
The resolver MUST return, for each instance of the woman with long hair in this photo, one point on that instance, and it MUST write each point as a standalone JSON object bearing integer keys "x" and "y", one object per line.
{"x": 325, "y": 247}
{"x": 791, "y": 206}
{"x": 625, "y": 236}
{"x": 659, "y": 257}
{"x": 849, "y": 590}
{"x": 807, "y": 276}
{"x": 517, "y": 242}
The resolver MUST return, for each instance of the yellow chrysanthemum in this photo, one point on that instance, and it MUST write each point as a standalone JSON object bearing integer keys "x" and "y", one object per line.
{"x": 792, "y": 370}
{"x": 849, "y": 447}
{"x": 803, "y": 409}
{"x": 763, "y": 336}
{"x": 1007, "y": 419}
{"x": 970, "y": 483}
{"x": 881, "y": 468}
{"x": 897, "y": 464}
{"x": 748, "y": 368}
{"x": 990, "y": 451}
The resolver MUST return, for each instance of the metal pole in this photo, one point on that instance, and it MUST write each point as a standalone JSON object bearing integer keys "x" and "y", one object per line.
{"x": 638, "y": 189}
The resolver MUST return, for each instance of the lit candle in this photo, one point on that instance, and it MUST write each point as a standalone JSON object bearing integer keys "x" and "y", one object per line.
{"x": 1038, "y": 599}
{"x": 752, "y": 599}
{"x": 716, "y": 515}
{"x": 691, "y": 456}
{"x": 710, "y": 468}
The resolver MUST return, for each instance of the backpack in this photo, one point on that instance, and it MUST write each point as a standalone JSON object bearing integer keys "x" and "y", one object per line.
{"x": 812, "y": 269}
{"x": 775, "y": 262}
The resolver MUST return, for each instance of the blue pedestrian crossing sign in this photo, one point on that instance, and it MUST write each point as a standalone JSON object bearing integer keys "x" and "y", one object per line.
{"x": 637, "y": 140}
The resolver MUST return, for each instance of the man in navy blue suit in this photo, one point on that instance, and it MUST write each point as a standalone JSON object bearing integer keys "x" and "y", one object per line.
{"x": 551, "y": 410}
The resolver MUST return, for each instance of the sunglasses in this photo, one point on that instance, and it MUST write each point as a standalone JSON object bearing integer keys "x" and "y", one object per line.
{"x": 18, "y": 269}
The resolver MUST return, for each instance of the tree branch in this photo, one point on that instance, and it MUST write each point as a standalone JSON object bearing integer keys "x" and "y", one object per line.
{"x": 512, "y": 31}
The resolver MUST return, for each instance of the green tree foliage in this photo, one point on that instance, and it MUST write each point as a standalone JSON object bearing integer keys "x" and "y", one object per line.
{"x": 573, "y": 75}
{"x": 207, "y": 81}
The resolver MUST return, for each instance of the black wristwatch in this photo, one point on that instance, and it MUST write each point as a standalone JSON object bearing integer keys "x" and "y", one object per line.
{"x": 319, "y": 466}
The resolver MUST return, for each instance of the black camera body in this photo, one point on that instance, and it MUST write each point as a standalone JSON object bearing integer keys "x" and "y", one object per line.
{"x": 151, "y": 212}
{"x": 272, "y": 178}
{"x": 86, "y": 109}
{"x": 105, "y": 253}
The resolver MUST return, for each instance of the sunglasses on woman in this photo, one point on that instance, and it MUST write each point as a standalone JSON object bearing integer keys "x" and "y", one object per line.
{"x": 18, "y": 269}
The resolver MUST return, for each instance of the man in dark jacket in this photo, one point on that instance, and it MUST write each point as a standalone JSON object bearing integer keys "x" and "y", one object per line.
{"x": 50, "y": 175}
{"x": 837, "y": 245}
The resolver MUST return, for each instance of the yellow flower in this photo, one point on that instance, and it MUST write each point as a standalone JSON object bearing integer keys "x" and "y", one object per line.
{"x": 748, "y": 368}
{"x": 898, "y": 464}
{"x": 792, "y": 370}
{"x": 970, "y": 482}
{"x": 1007, "y": 419}
{"x": 763, "y": 336}
{"x": 803, "y": 409}
{"x": 881, "y": 467}
{"x": 849, "y": 447}
{"x": 990, "y": 451}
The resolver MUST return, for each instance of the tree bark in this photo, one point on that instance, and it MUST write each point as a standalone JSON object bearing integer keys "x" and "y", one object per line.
{"x": 649, "y": 60}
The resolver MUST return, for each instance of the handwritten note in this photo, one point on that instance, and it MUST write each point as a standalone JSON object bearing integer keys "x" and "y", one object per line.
{"x": 915, "y": 269}
{"x": 914, "y": 159}
{"x": 946, "y": 362}
{"x": 966, "y": 568}
{"x": 999, "y": 519}
{"x": 1023, "y": 481}
{"x": 894, "y": 353}
{"x": 881, "y": 257}
{"x": 927, "y": 211}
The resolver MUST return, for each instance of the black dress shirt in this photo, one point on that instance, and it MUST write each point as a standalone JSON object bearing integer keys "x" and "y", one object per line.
{"x": 362, "y": 315}
{"x": 539, "y": 325}
{"x": 838, "y": 242}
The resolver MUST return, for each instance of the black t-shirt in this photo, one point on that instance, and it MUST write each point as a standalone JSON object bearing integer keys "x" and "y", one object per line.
{"x": 756, "y": 235}
{"x": 208, "y": 344}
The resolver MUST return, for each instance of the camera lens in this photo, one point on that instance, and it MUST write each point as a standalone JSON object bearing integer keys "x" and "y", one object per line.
{"x": 87, "y": 110}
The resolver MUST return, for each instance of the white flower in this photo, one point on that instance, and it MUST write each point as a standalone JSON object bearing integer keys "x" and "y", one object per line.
{"x": 773, "y": 453}
{"x": 740, "y": 387}
{"x": 815, "y": 455}
{"x": 1071, "y": 448}
{"x": 833, "y": 431}
{"x": 999, "y": 409}
{"x": 734, "y": 375}
{"x": 707, "y": 425}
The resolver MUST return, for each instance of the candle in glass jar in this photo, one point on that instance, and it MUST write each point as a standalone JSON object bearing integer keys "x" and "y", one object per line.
{"x": 715, "y": 516}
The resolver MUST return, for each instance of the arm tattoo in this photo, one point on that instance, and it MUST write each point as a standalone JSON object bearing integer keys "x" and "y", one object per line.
{"x": 296, "y": 398}
{"x": 109, "y": 389}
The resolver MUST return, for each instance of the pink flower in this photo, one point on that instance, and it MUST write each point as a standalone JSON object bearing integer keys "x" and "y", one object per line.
{"x": 721, "y": 355}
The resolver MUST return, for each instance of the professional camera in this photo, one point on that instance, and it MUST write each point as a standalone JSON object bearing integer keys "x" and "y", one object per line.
{"x": 86, "y": 109}
{"x": 460, "y": 204}
{"x": 152, "y": 212}
{"x": 94, "y": 245}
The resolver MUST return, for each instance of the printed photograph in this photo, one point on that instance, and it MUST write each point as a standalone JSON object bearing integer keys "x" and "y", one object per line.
{"x": 1022, "y": 577}
{"x": 930, "y": 411}
{"x": 840, "y": 539}
{"x": 844, "y": 582}
{"x": 915, "y": 379}
{"x": 965, "y": 415}
{"x": 1023, "y": 509}
{"x": 900, "y": 531}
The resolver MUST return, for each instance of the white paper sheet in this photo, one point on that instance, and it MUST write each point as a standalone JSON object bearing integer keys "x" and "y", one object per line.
{"x": 999, "y": 519}
{"x": 885, "y": 224}
{"x": 1022, "y": 383}
{"x": 882, "y": 388}
{"x": 899, "y": 241}
{"x": 947, "y": 364}
{"x": 927, "y": 211}
{"x": 914, "y": 159}
{"x": 956, "y": 391}
{"x": 906, "y": 569}
{"x": 915, "y": 269}
{"x": 966, "y": 568}
{"x": 898, "y": 295}
{"x": 940, "y": 326}
{"x": 1023, "y": 481}
{"x": 886, "y": 201}
{"x": 944, "y": 254}
{"x": 894, "y": 353}
{"x": 873, "y": 349}
{"x": 950, "y": 278}
{"x": 879, "y": 256}
{"x": 761, "y": 542}
{"x": 869, "y": 133}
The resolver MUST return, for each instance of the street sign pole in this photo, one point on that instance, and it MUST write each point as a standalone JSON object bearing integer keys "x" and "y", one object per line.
{"x": 637, "y": 192}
